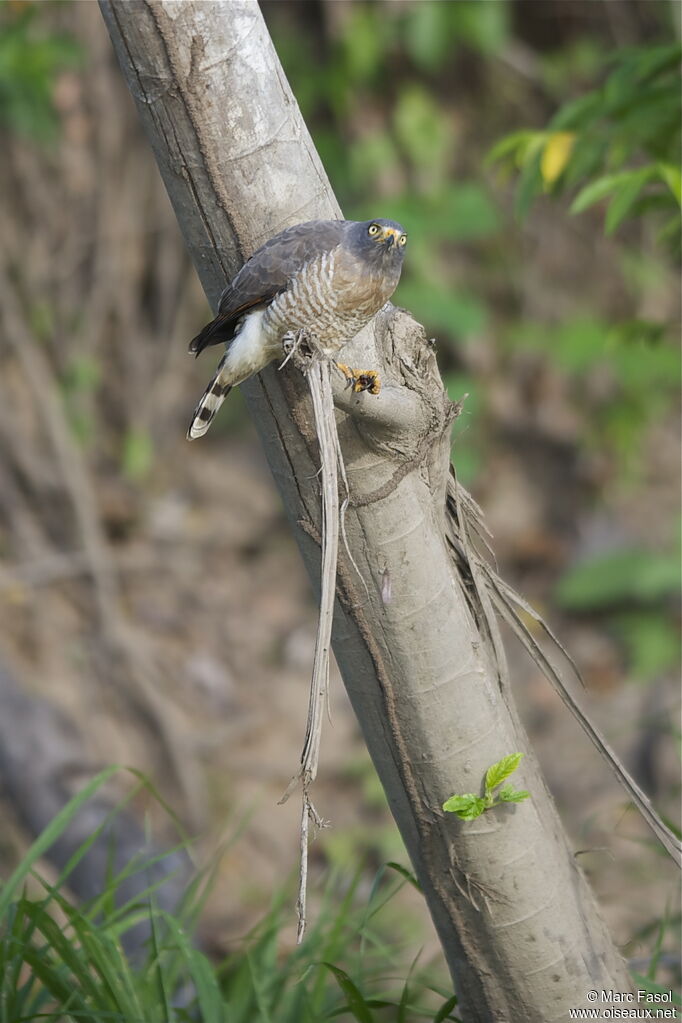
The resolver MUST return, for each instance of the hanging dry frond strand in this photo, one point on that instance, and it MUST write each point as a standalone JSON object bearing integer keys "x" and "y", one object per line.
{"x": 317, "y": 370}
{"x": 492, "y": 591}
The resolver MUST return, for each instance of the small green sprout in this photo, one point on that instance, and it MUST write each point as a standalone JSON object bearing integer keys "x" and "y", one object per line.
{"x": 469, "y": 806}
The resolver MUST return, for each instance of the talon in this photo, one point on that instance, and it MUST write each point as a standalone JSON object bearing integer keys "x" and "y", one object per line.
{"x": 367, "y": 381}
{"x": 360, "y": 380}
{"x": 347, "y": 372}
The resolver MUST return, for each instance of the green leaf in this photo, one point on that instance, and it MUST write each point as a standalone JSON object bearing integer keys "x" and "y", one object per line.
{"x": 402, "y": 1016}
{"x": 587, "y": 158}
{"x": 371, "y": 1003}
{"x": 456, "y": 212}
{"x": 424, "y": 132}
{"x": 496, "y": 774}
{"x": 371, "y": 155}
{"x": 442, "y": 308}
{"x": 406, "y": 874}
{"x": 529, "y": 187}
{"x": 426, "y": 38}
{"x": 578, "y": 113}
{"x": 445, "y": 1011}
{"x": 356, "y": 1003}
{"x": 631, "y": 332}
{"x": 670, "y": 233}
{"x": 652, "y": 642}
{"x": 467, "y": 807}
{"x": 625, "y": 197}
{"x": 363, "y": 44}
{"x": 82, "y": 375}
{"x": 646, "y": 984}
{"x": 138, "y": 452}
{"x": 50, "y": 835}
{"x": 65, "y": 948}
{"x": 465, "y": 212}
{"x": 578, "y": 345}
{"x": 622, "y": 576}
{"x": 653, "y": 60}
{"x": 509, "y": 794}
{"x": 60, "y": 985}
{"x": 598, "y": 190}
{"x": 484, "y": 26}
{"x": 30, "y": 60}
{"x": 514, "y": 145}
{"x": 203, "y": 977}
{"x": 672, "y": 176}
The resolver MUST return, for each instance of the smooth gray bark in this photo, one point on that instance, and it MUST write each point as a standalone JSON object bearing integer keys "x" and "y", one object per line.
{"x": 519, "y": 926}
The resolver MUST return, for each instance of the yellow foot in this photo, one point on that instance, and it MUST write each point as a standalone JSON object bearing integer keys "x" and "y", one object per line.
{"x": 359, "y": 379}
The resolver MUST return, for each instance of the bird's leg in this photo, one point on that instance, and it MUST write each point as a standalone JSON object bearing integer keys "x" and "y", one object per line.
{"x": 301, "y": 346}
{"x": 360, "y": 379}
{"x": 291, "y": 343}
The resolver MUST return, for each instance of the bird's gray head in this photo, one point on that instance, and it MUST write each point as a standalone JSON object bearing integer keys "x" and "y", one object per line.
{"x": 379, "y": 241}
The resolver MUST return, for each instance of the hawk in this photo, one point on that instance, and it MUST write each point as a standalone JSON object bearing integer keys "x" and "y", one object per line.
{"x": 328, "y": 277}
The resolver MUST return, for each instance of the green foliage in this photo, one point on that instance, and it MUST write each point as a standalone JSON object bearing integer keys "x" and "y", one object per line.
{"x": 467, "y": 807}
{"x": 433, "y": 32}
{"x": 621, "y": 577}
{"x": 620, "y": 142}
{"x": 412, "y": 145}
{"x": 422, "y": 133}
{"x": 138, "y": 453}
{"x": 580, "y": 60}
{"x": 616, "y": 144}
{"x": 638, "y": 368}
{"x": 371, "y": 42}
{"x": 641, "y": 582}
{"x": 66, "y": 962}
{"x": 30, "y": 59}
{"x": 500, "y": 771}
{"x": 78, "y": 385}
{"x": 470, "y": 806}
{"x": 652, "y": 642}
{"x": 463, "y": 213}
{"x": 656, "y": 994}
{"x": 408, "y": 148}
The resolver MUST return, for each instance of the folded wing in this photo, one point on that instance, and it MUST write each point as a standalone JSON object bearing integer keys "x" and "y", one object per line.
{"x": 266, "y": 274}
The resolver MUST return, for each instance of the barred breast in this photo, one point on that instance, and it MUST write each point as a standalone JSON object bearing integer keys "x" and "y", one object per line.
{"x": 330, "y": 297}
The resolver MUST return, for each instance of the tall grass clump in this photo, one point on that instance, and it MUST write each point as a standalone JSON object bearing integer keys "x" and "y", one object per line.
{"x": 71, "y": 963}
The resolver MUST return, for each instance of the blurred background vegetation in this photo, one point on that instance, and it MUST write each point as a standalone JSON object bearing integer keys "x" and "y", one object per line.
{"x": 150, "y": 590}
{"x": 411, "y": 105}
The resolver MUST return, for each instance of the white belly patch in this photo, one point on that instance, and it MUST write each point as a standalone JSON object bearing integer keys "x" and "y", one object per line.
{"x": 249, "y": 350}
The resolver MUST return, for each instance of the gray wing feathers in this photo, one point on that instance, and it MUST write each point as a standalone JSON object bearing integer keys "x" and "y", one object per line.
{"x": 267, "y": 273}
{"x": 269, "y": 269}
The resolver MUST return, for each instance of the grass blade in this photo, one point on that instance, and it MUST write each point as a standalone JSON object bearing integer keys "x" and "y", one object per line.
{"x": 356, "y": 1002}
{"x": 50, "y": 835}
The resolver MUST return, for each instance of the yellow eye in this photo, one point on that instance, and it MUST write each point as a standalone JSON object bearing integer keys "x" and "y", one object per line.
{"x": 373, "y": 229}
{"x": 402, "y": 240}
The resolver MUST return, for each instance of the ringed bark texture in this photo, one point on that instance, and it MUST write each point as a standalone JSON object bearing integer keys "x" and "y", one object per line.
{"x": 518, "y": 923}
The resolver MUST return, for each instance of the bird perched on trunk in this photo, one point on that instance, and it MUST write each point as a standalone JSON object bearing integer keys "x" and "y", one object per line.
{"x": 327, "y": 277}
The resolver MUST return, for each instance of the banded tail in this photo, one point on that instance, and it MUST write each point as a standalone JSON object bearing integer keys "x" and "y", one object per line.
{"x": 210, "y": 402}
{"x": 247, "y": 354}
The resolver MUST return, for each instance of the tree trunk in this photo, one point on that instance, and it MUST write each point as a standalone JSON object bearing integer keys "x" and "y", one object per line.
{"x": 518, "y": 924}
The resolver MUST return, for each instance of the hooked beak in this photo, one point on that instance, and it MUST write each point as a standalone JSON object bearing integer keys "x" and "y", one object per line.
{"x": 390, "y": 237}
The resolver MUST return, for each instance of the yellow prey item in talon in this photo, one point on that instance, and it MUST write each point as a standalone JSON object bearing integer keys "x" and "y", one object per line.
{"x": 360, "y": 379}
